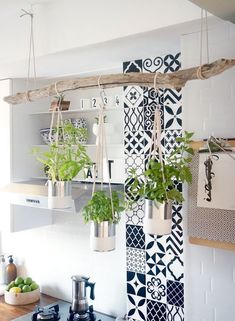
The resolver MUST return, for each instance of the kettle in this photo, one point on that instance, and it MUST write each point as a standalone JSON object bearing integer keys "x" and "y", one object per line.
{"x": 79, "y": 299}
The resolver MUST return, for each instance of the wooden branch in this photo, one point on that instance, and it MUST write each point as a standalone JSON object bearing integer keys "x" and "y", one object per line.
{"x": 169, "y": 80}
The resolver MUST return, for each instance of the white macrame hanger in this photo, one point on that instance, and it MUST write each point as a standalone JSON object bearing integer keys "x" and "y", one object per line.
{"x": 31, "y": 55}
{"x": 156, "y": 141}
{"x": 101, "y": 150}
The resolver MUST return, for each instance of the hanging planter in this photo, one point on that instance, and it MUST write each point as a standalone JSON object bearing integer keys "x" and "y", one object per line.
{"x": 104, "y": 212}
{"x": 62, "y": 161}
{"x": 102, "y": 237}
{"x": 105, "y": 207}
{"x": 158, "y": 217}
{"x": 157, "y": 185}
{"x": 59, "y": 194}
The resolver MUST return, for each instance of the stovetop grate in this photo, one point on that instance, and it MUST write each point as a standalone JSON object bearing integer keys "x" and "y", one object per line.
{"x": 64, "y": 313}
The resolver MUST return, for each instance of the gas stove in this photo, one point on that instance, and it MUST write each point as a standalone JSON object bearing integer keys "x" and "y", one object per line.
{"x": 61, "y": 311}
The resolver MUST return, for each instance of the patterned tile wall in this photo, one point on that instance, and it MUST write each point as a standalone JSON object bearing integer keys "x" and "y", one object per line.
{"x": 155, "y": 268}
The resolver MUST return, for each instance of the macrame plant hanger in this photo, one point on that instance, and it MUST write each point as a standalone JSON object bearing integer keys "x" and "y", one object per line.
{"x": 156, "y": 133}
{"x": 101, "y": 150}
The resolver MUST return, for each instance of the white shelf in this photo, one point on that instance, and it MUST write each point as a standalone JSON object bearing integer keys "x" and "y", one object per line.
{"x": 75, "y": 111}
{"x": 86, "y": 145}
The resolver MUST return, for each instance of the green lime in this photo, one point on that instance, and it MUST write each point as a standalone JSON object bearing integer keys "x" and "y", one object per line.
{"x": 26, "y": 288}
{"x": 34, "y": 286}
{"x": 28, "y": 281}
{"x": 21, "y": 285}
{"x": 19, "y": 280}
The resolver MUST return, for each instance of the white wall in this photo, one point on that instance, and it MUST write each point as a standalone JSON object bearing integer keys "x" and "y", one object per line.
{"x": 65, "y": 24}
{"x": 209, "y": 108}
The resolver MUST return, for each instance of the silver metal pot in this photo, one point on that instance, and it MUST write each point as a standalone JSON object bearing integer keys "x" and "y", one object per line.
{"x": 103, "y": 236}
{"x": 158, "y": 217}
{"x": 59, "y": 188}
{"x": 59, "y": 194}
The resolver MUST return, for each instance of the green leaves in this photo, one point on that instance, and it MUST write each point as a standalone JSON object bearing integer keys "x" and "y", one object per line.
{"x": 157, "y": 182}
{"x": 99, "y": 208}
{"x": 63, "y": 161}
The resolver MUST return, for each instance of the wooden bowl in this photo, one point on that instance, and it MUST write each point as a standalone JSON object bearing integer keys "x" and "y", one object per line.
{"x": 22, "y": 298}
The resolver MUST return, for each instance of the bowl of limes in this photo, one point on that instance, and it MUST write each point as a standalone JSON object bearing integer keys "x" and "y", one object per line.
{"x": 22, "y": 291}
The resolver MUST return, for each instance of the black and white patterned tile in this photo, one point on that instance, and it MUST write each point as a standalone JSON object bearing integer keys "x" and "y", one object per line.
{"x": 175, "y": 293}
{"x": 134, "y": 142}
{"x": 155, "y": 255}
{"x": 175, "y": 268}
{"x": 172, "y": 117}
{"x": 135, "y": 213}
{"x": 133, "y": 119}
{"x": 153, "y": 97}
{"x": 170, "y": 142}
{"x": 149, "y": 115}
{"x": 174, "y": 313}
{"x": 149, "y": 144}
{"x": 132, "y": 66}
{"x": 156, "y": 288}
{"x": 136, "y": 307}
{"x": 135, "y": 237}
{"x": 156, "y": 311}
{"x": 154, "y": 64}
{"x": 172, "y": 63}
{"x": 177, "y": 218}
{"x": 135, "y": 260}
{"x": 136, "y": 284}
{"x": 136, "y": 162}
{"x": 175, "y": 242}
{"x": 133, "y": 96}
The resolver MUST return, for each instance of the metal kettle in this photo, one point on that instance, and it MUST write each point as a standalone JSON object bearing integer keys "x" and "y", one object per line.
{"x": 79, "y": 298}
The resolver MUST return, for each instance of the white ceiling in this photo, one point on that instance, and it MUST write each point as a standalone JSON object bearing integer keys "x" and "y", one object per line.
{"x": 224, "y": 9}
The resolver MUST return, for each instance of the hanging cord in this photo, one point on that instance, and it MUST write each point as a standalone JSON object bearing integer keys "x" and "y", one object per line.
{"x": 31, "y": 52}
{"x": 199, "y": 71}
{"x": 101, "y": 151}
{"x": 156, "y": 141}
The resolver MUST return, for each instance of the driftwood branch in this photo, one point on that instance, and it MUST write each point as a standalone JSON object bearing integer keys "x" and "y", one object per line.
{"x": 176, "y": 79}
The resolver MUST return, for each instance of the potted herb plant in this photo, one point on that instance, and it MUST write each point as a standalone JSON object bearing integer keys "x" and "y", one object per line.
{"x": 59, "y": 103}
{"x": 61, "y": 163}
{"x": 157, "y": 185}
{"x": 103, "y": 211}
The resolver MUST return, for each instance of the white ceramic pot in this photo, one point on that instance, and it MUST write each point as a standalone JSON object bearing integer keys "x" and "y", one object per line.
{"x": 59, "y": 194}
{"x": 109, "y": 131}
{"x": 102, "y": 237}
{"x": 158, "y": 217}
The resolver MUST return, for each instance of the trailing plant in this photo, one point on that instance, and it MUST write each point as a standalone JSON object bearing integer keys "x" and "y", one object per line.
{"x": 99, "y": 208}
{"x": 158, "y": 180}
{"x": 66, "y": 158}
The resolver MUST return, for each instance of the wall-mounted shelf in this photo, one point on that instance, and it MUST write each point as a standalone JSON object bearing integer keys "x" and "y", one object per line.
{"x": 75, "y": 111}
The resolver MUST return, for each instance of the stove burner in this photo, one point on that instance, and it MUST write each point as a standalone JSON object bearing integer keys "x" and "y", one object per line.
{"x": 89, "y": 316}
{"x": 47, "y": 314}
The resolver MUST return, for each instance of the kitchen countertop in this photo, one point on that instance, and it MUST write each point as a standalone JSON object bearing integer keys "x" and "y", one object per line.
{"x": 11, "y": 312}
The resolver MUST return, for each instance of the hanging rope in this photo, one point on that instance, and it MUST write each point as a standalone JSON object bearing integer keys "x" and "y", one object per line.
{"x": 31, "y": 55}
{"x": 101, "y": 150}
{"x": 199, "y": 71}
{"x": 156, "y": 134}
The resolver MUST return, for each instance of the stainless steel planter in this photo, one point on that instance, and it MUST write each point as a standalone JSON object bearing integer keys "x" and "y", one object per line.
{"x": 102, "y": 236}
{"x": 59, "y": 194}
{"x": 158, "y": 217}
